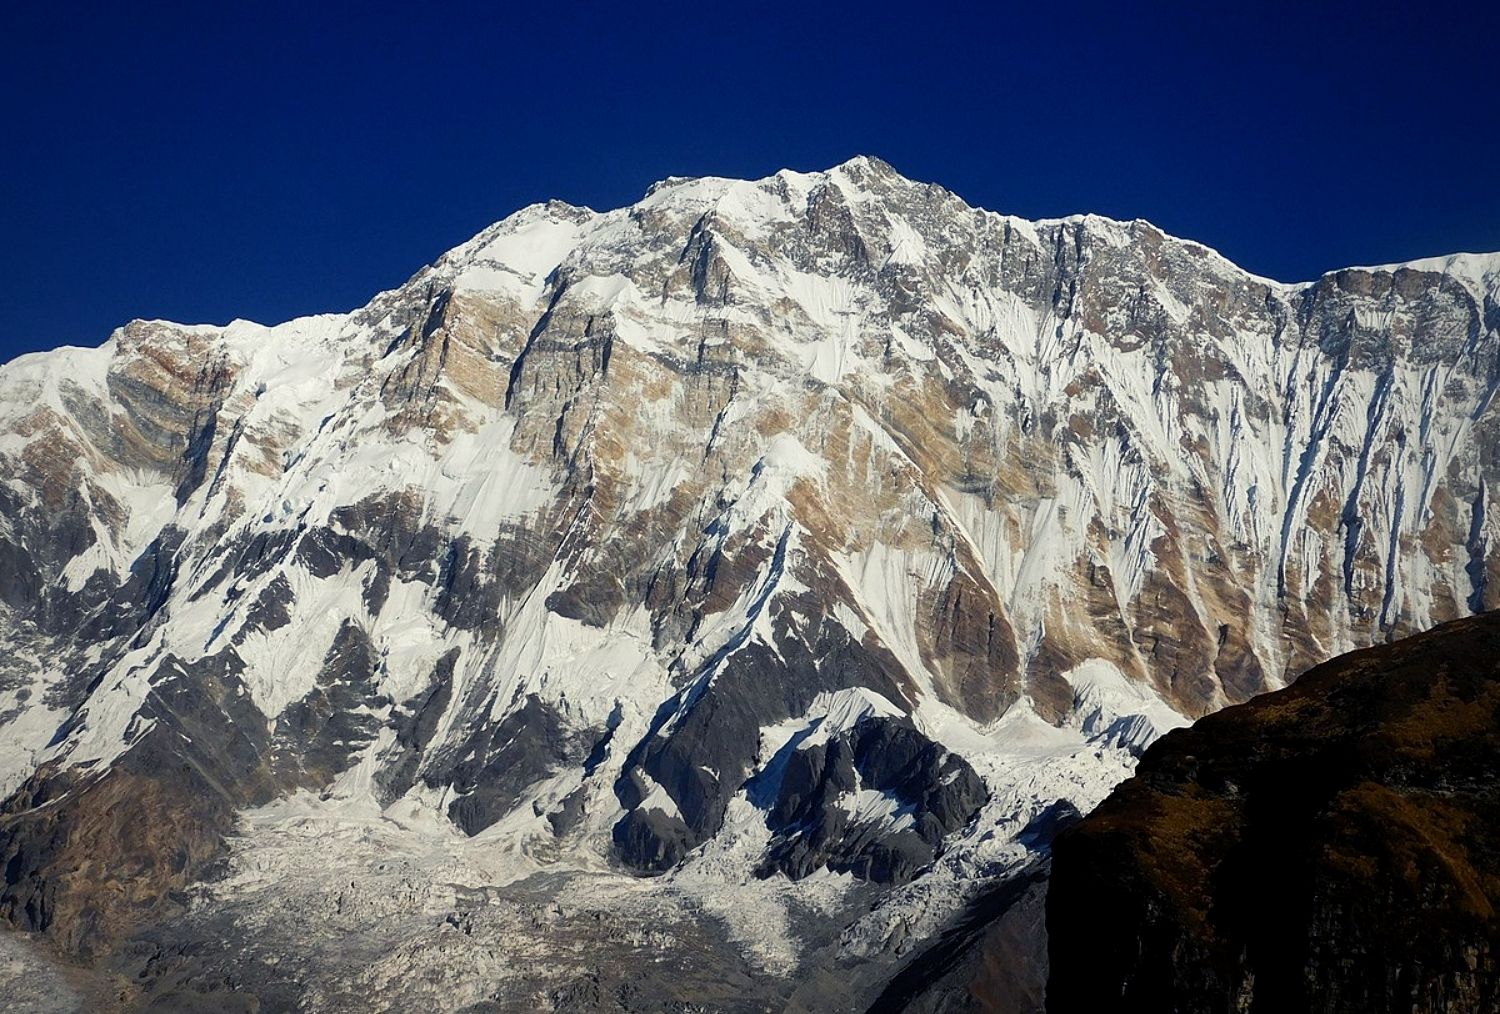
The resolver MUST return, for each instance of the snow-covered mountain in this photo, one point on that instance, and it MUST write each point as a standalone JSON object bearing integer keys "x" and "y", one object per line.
{"x": 804, "y": 540}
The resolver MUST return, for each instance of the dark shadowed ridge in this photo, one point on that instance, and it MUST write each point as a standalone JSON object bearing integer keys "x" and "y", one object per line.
{"x": 1330, "y": 847}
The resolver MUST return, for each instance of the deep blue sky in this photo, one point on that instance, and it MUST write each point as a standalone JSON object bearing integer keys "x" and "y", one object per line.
{"x": 207, "y": 161}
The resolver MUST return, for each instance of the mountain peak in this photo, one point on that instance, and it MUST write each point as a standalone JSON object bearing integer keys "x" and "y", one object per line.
{"x": 868, "y": 178}
{"x": 867, "y": 166}
{"x": 821, "y": 522}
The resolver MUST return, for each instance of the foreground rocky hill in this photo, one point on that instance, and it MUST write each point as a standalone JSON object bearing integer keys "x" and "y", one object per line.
{"x": 772, "y": 555}
{"x": 1330, "y": 847}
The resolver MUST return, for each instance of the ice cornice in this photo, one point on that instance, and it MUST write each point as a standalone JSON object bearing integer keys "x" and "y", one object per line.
{"x": 1478, "y": 271}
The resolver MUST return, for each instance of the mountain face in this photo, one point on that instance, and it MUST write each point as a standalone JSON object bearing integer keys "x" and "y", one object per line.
{"x": 1334, "y": 846}
{"x": 760, "y": 562}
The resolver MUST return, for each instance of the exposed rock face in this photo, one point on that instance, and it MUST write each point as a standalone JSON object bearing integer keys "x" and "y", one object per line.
{"x": 912, "y": 794}
{"x": 90, "y": 855}
{"x": 1330, "y": 847}
{"x": 559, "y": 545}
{"x": 994, "y": 959}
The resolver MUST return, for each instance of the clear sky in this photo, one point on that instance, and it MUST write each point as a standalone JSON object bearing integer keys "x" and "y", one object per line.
{"x": 209, "y": 161}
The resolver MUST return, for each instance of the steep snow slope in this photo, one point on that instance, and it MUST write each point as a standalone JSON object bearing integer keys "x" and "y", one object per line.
{"x": 789, "y": 535}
